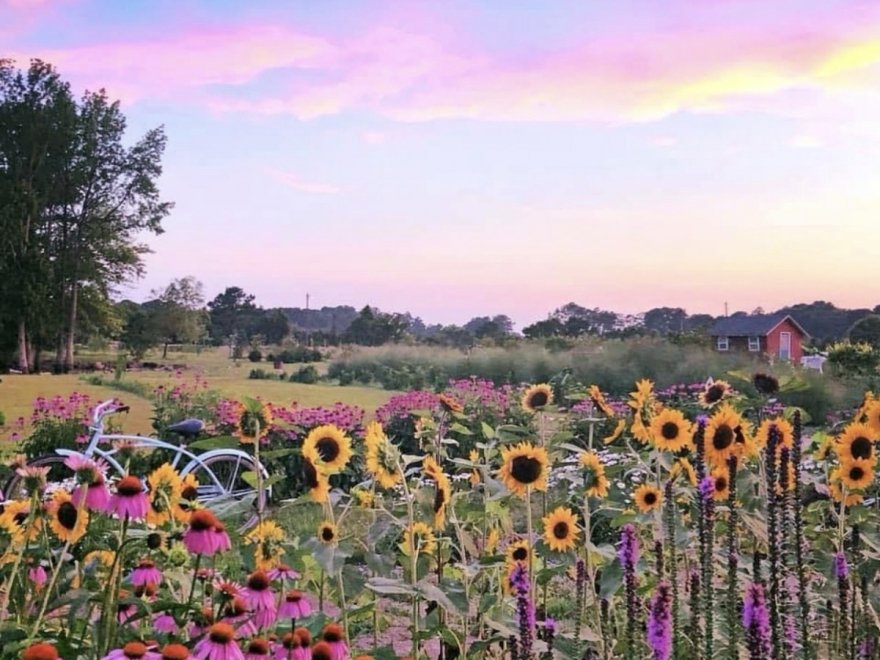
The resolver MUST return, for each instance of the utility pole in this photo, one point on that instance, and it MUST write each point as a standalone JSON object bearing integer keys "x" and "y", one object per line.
{"x": 725, "y": 308}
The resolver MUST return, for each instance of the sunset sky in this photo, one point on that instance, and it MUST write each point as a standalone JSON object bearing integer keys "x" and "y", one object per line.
{"x": 456, "y": 159}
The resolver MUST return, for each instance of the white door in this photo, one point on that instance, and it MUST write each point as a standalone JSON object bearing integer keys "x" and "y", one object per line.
{"x": 784, "y": 345}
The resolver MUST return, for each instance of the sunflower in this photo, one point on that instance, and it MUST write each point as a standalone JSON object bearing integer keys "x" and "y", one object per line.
{"x": 364, "y": 497}
{"x": 268, "y": 538}
{"x": 66, "y": 520}
{"x": 595, "y": 481}
{"x": 638, "y": 429}
{"x": 474, "y": 457}
{"x": 599, "y": 401}
{"x": 524, "y": 467}
{"x": 616, "y": 433}
{"x": 642, "y": 395}
{"x": 492, "y": 539}
{"x": 99, "y": 559}
{"x": 683, "y": 467}
{"x": 449, "y": 404}
{"x": 856, "y": 442}
{"x": 17, "y": 512}
{"x": 714, "y": 392}
{"x": 11, "y": 539}
{"x": 328, "y": 445}
{"x": 670, "y": 431}
{"x": 857, "y": 474}
{"x": 537, "y": 397}
{"x": 328, "y": 533}
{"x": 443, "y": 492}
{"x": 382, "y": 457}
{"x": 765, "y": 383}
{"x": 836, "y": 490}
{"x": 725, "y": 436}
{"x": 824, "y": 446}
{"x": 648, "y": 497}
{"x": 165, "y": 489}
{"x": 317, "y": 481}
{"x": 785, "y": 430}
{"x": 186, "y": 502}
{"x": 560, "y": 529}
{"x": 254, "y": 421}
{"x": 872, "y": 417}
{"x": 721, "y": 479}
{"x": 418, "y": 538}
{"x": 518, "y": 553}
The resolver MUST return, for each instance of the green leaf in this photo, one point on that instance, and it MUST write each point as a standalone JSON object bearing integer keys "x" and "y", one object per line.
{"x": 433, "y": 592}
{"x": 460, "y": 428}
{"x": 221, "y": 442}
{"x": 488, "y": 431}
{"x": 389, "y": 586}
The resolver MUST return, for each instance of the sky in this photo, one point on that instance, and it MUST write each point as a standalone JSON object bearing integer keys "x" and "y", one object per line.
{"x": 464, "y": 158}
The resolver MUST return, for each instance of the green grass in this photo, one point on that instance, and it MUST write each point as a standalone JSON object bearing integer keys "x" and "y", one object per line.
{"x": 18, "y": 392}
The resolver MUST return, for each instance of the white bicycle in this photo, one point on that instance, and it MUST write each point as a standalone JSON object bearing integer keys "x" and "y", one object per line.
{"x": 220, "y": 473}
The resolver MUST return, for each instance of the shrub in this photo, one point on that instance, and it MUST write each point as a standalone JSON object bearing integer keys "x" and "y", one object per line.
{"x": 135, "y": 387}
{"x": 59, "y": 423}
{"x": 306, "y": 374}
{"x": 255, "y": 355}
{"x": 259, "y": 374}
{"x": 2, "y": 419}
{"x": 299, "y": 354}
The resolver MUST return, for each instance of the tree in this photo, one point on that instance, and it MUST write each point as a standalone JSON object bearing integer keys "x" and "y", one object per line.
{"x": 272, "y": 325}
{"x": 176, "y": 314}
{"x": 866, "y": 330}
{"x": 551, "y": 327}
{"x": 374, "y": 328}
{"x": 74, "y": 201}
{"x": 232, "y": 314}
{"x": 664, "y": 320}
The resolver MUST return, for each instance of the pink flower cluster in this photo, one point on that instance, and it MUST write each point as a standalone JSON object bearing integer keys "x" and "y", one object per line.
{"x": 76, "y": 407}
{"x": 346, "y": 417}
{"x": 481, "y": 393}
{"x": 402, "y": 405}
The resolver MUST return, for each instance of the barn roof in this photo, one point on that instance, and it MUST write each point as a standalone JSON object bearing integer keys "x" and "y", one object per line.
{"x": 750, "y": 326}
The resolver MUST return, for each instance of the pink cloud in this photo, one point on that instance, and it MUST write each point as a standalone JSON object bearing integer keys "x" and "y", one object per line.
{"x": 294, "y": 181}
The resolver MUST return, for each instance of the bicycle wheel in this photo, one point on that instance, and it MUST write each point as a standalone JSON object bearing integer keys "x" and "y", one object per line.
{"x": 60, "y": 476}
{"x": 230, "y": 486}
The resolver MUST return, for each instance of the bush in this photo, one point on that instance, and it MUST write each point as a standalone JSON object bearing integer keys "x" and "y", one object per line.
{"x": 135, "y": 387}
{"x": 2, "y": 419}
{"x": 307, "y": 375}
{"x": 259, "y": 374}
{"x": 255, "y": 355}
{"x": 299, "y": 354}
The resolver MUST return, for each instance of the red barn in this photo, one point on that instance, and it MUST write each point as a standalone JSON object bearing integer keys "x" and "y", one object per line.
{"x": 778, "y": 335}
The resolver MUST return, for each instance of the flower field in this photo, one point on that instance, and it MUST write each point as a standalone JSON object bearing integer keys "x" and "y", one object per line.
{"x": 701, "y": 521}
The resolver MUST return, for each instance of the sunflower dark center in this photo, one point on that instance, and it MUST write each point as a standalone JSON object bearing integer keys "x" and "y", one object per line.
{"x": 311, "y": 474}
{"x": 328, "y": 448}
{"x": 327, "y": 533}
{"x": 721, "y": 484}
{"x": 525, "y": 469}
{"x": 67, "y": 515}
{"x": 20, "y": 518}
{"x": 538, "y": 399}
{"x": 560, "y": 530}
{"x": 669, "y": 430}
{"x": 650, "y": 498}
{"x": 439, "y": 499}
{"x": 190, "y": 493}
{"x": 856, "y": 473}
{"x": 714, "y": 393}
{"x": 520, "y": 554}
{"x": 861, "y": 448}
{"x": 722, "y": 438}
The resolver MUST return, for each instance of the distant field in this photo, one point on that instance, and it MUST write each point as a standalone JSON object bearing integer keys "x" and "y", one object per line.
{"x": 18, "y": 392}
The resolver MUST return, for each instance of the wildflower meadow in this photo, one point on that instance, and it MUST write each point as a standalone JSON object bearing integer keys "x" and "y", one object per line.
{"x": 706, "y": 520}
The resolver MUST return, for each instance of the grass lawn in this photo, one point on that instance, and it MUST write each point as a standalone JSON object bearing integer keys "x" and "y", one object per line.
{"x": 18, "y": 392}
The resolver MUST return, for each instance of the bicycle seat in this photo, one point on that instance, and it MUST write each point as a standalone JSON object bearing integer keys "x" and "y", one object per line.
{"x": 188, "y": 428}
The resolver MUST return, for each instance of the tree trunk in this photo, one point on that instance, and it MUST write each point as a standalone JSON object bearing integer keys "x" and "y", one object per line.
{"x": 23, "y": 362}
{"x": 71, "y": 327}
{"x": 165, "y": 351}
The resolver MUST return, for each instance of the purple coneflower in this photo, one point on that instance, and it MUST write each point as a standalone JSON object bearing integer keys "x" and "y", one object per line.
{"x": 221, "y": 538}
{"x": 133, "y": 650}
{"x": 200, "y": 539}
{"x": 258, "y": 649}
{"x": 290, "y": 647}
{"x": 295, "y": 605}
{"x": 146, "y": 573}
{"x": 283, "y": 572}
{"x": 37, "y": 575}
{"x": 305, "y": 643}
{"x": 218, "y": 644}
{"x": 660, "y": 622}
{"x": 334, "y": 636}
{"x": 91, "y": 482}
{"x": 175, "y": 652}
{"x": 165, "y": 623}
{"x": 130, "y": 500}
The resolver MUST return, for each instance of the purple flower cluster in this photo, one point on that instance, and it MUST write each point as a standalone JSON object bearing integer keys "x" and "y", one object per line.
{"x": 660, "y": 622}
{"x": 481, "y": 393}
{"x": 346, "y": 417}
{"x": 707, "y": 488}
{"x": 402, "y": 405}
{"x": 841, "y": 568}
{"x": 756, "y": 621}
{"x": 74, "y": 407}
{"x": 525, "y": 609}
{"x": 628, "y": 552}
{"x": 586, "y": 407}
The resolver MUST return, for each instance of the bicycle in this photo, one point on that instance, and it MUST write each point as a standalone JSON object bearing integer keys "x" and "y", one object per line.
{"x": 219, "y": 472}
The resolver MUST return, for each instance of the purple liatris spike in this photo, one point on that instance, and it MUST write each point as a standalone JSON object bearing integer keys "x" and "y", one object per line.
{"x": 660, "y": 622}
{"x": 525, "y": 609}
{"x": 841, "y": 569}
{"x": 628, "y": 552}
{"x": 707, "y": 488}
{"x": 756, "y": 621}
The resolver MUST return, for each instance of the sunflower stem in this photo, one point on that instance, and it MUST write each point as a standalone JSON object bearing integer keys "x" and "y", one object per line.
{"x": 49, "y": 589}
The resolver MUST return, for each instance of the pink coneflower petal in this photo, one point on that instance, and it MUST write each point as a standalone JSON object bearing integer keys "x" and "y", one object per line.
{"x": 284, "y": 572}
{"x": 165, "y": 623}
{"x": 146, "y": 572}
{"x": 37, "y": 575}
{"x": 295, "y": 605}
{"x": 200, "y": 538}
{"x": 218, "y": 644}
{"x": 130, "y": 499}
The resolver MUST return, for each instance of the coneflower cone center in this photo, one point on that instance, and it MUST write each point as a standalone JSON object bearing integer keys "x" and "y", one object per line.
{"x": 669, "y": 430}
{"x": 67, "y": 515}
{"x": 526, "y": 469}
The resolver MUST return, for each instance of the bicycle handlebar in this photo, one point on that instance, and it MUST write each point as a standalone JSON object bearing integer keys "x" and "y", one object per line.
{"x": 106, "y": 408}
